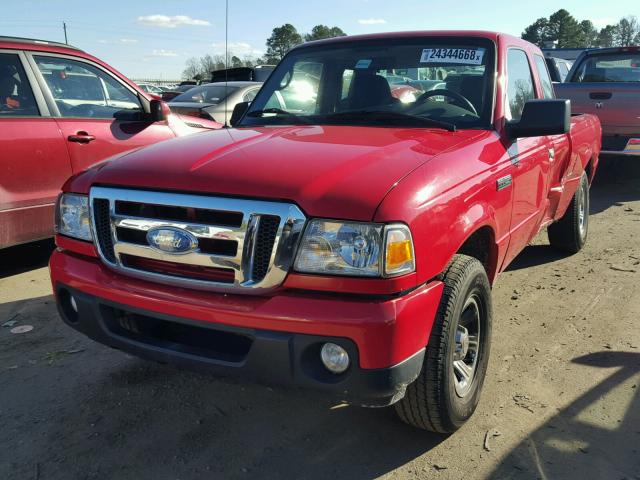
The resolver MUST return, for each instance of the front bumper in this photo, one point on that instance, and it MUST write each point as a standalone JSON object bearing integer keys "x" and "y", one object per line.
{"x": 272, "y": 340}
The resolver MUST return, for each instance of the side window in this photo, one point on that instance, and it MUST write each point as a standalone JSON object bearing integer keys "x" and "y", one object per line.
{"x": 250, "y": 95}
{"x": 82, "y": 90}
{"x": 16, "y": 96}
{"x": 545, "y": 79}
{"x": 519, "y": 84}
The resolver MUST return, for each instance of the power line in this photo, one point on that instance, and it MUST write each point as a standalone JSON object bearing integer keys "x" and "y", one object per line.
{"x": 226, "y": 60}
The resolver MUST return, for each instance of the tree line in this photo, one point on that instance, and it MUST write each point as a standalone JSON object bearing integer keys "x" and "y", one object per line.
{"x": 282, "y": 39}
{"x": 562, "y": 30}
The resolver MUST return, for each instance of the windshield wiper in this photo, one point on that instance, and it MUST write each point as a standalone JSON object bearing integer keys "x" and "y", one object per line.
{"x": 278, "y": 111}
{"x": 388, "y": 115}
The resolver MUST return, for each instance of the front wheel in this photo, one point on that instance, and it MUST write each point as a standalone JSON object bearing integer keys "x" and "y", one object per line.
{"x": 569, "y": 234}
{"x": 447, "y": 391}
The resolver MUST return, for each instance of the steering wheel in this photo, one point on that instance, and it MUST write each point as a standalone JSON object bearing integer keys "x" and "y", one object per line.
{"x": 466, "y": 104}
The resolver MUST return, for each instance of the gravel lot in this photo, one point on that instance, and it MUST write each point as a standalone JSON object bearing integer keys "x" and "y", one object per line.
{"x": 561, "y": 399}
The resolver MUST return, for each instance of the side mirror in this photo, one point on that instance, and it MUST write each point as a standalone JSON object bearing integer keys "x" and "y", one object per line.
{"x": 159, "y": 110}
{"x": 542, "y": 117}
{"x": 238, "y": 111}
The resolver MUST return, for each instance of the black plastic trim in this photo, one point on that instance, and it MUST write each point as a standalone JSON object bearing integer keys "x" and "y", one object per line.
{"x": 273, "y": 358}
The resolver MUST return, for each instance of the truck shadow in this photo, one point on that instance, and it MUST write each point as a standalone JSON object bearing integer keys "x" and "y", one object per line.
{"x": 617, "y": 181}
{"x": 240, "y": 429}
{"x": 569, "y": 447}
{"x": 26, "y": 257}
{"x": 78, "y": 407}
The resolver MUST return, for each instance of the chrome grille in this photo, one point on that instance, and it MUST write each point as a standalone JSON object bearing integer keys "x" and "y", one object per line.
{"x": 244, "y": 246}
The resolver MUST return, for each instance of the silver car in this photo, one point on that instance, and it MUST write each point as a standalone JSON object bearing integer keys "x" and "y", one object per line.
{"x": 213, "y": 100}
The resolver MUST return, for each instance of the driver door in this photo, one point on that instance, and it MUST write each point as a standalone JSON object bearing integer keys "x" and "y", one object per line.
{"x": 98, "y": 115}
{"x": 530, "y": 158}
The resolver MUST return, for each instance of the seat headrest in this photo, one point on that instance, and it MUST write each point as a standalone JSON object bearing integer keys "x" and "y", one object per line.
{"x": 369, "y": 90}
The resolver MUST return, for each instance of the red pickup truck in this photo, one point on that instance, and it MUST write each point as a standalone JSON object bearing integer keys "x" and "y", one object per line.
{"x": 336, "y": 237}
{"x": 61, "y": 111}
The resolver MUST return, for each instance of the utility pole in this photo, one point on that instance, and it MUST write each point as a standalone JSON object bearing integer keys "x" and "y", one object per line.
{"x": 64, "y": 27}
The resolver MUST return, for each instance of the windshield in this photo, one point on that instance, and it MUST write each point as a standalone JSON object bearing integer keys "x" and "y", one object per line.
{"x": 616, "y": 67}
{"x": 205, "y": 94}
{"x": 386, "y": 82}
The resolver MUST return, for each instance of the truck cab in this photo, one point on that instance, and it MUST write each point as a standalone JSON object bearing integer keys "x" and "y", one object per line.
{"x": 337, "y": 237}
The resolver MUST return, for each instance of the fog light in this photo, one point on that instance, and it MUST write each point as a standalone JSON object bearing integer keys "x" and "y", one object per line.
{"x": 73, "y": 303}
{"x": 334, "y": 357}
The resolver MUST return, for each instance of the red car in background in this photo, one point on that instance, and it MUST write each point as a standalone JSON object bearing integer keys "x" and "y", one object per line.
{"x": 61, "y": 111}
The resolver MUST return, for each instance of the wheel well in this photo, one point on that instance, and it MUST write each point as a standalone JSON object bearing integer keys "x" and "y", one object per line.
{"x": 589, "y": 169}
{"x": 481, "y": 245}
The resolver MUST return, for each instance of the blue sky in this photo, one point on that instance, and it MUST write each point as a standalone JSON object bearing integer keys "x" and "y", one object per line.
{"x": 154, "y": 38}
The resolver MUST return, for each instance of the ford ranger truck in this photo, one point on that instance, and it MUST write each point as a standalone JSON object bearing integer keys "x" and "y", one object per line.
{"x": 606, "y": 82}
{"x": 336, "y": 237}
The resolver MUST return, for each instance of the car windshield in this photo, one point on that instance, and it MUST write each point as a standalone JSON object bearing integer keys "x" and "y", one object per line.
{"x": 427, "y": 81}
{"x": 616, "y": 67}
{"x": 205, "y": 94}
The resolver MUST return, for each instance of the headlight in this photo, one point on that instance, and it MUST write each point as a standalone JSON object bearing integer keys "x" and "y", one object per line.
{"x": 72, "y": 216}
{"x": 357, "y": 249}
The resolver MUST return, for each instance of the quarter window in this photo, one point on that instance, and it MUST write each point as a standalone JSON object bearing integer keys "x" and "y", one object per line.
{"x": 82, "y": 90}
{"x": 16, "y": 96}
{"x": 519, "y": 84}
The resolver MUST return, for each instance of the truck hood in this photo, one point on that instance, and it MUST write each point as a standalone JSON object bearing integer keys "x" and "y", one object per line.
{"x": 329, "y": 171}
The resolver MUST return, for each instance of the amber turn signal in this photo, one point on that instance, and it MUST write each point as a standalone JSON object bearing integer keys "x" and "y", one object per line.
{"x": 399, "y": 256}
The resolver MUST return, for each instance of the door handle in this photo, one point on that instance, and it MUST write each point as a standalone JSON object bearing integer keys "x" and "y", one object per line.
{"x": 81, "y": 137}
{"x": 600, "y": 95}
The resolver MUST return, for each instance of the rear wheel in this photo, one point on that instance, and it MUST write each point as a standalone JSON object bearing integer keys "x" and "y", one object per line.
{"x": 447, "y": 391}
{"x": 569, "y": 234}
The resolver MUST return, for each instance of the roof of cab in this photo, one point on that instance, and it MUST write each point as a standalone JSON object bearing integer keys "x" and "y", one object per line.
{"x": 494, "y": 36}
{"x": 34, "y": 44}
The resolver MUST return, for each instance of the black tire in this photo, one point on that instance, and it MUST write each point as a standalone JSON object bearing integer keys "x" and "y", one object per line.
{"x": 432, "y": 401}
{"x": 569, "y": 234}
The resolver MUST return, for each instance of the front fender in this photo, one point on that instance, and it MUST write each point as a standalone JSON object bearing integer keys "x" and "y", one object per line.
{"x": 442, "y": 223}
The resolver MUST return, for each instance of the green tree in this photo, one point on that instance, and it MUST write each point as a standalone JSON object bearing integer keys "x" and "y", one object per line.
{"x": 322, "y": 31}
{"x": 627, "y": 31}
{"x": 590, "y": 33}
{"x": 536, "y": 33}
{"x": 282, "y": 39}
{"x": 565, "y": 30}
{"x": 607, "y": 36}
{"x": 236, "y": 62}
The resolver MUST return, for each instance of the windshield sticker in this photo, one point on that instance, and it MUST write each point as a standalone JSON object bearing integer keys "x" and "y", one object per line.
{"x": 363, "y": 63}
{"x": 462, "y": 56}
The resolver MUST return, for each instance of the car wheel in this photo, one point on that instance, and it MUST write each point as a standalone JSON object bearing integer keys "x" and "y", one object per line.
{"x": 569, "y": 234}
{"x": 447, "y": 391}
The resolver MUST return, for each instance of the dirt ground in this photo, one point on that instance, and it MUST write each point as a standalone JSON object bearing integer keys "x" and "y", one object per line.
{"x": 561, "y": 400}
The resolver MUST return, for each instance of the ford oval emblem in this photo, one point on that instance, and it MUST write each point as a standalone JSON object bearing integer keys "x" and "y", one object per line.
{"x": 172, "y": 240}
